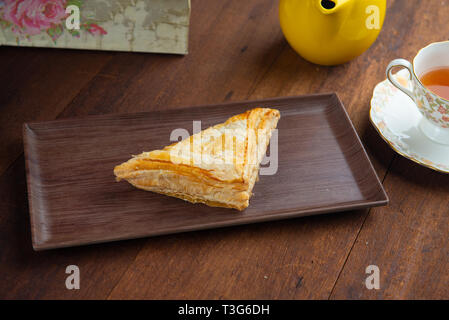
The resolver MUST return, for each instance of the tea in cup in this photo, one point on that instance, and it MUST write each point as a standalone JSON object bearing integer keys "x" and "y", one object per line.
{"x": 429, "y": 75}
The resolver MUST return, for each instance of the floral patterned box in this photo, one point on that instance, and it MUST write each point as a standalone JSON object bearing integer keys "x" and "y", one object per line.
{"x": 124, "y": 25}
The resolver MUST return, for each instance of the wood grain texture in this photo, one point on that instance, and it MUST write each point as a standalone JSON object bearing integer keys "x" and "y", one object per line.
{"x": 407, "y": 240}
{"x": 292, "y": 259}
{"x": 321, "y": 168}
{"x": 39, "y": 85}
{"x": 27, "y": 274}
{"x": 236, "y": 53}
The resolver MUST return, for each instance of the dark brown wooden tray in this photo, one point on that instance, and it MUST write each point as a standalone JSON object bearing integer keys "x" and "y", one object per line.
{"x": 75, "y": 200}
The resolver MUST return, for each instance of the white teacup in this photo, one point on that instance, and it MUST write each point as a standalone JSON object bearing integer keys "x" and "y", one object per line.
{"x": 435, "y": 109}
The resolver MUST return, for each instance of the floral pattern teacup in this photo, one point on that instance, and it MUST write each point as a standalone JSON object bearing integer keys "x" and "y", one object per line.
{"x": 435, "y": 109}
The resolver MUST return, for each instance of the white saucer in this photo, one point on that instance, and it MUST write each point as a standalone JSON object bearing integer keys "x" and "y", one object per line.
{"x": 397, "y": 120}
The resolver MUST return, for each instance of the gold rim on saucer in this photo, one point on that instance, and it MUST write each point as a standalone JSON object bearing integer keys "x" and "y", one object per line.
{"x": 423, "y": 162}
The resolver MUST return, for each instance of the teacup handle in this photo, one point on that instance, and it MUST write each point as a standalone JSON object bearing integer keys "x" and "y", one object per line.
{"x": 404, "y": 64}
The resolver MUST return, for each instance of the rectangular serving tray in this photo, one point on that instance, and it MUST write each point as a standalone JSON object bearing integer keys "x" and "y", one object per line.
{"x": 75, "y": 200}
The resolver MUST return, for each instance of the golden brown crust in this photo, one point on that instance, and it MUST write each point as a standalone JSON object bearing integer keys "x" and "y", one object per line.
{"x": 210, "y": 203}
{"x": 217, "y": 166}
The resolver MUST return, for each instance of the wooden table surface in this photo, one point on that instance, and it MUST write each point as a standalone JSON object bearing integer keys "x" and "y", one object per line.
{"x": 237, "y": 52}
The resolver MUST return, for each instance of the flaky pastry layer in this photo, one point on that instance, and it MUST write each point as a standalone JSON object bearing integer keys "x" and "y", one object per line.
{"x": 218, "y": 166}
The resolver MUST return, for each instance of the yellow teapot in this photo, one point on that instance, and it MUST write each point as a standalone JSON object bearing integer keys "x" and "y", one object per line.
{"x": 330, "y": 32}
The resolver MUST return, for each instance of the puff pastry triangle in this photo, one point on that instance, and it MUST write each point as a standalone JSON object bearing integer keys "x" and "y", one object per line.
{"x": 217, "y": 166}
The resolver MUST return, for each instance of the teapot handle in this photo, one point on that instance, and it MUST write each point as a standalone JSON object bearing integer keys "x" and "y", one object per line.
{"x": 404, "y": 64}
